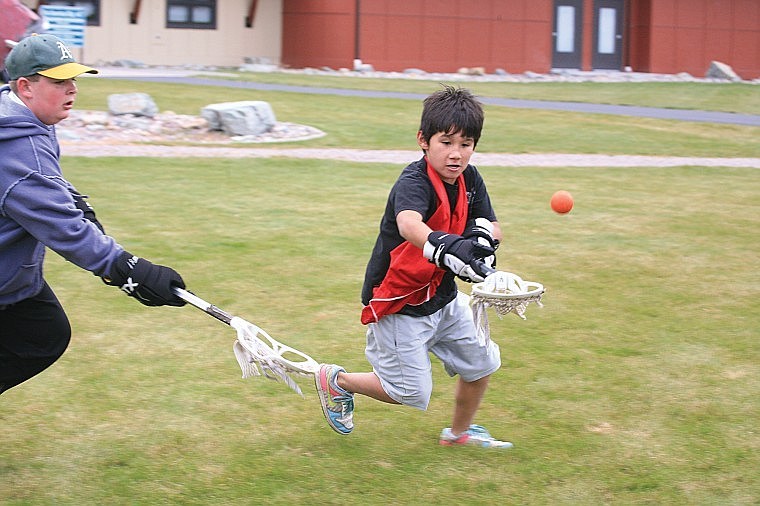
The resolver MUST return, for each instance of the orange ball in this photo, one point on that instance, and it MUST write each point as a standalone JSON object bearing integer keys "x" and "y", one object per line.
{"x": 562, "y": 202}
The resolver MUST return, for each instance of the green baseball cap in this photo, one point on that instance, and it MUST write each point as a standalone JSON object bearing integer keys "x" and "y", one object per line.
{"x": 46, "y": 55}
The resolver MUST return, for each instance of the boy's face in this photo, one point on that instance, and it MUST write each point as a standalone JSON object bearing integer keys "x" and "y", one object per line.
{"x": 447, "y": 153}
{"x": 49, "y": 99}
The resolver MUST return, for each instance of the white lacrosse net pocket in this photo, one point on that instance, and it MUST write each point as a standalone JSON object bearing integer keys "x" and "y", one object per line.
{"x": 505, "y": 293}
{"x": 260, "y": 354}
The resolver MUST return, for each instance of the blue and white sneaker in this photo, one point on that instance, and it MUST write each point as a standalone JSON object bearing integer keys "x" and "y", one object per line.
{"x": 337, "y": 403}
{"x": 476, "y": 435}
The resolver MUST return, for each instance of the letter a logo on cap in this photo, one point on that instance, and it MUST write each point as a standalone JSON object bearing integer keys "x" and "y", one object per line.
{"x": 65, "y": 53}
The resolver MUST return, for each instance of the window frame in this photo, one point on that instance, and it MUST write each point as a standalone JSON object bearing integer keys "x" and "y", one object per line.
{"x": 190, "y": 4}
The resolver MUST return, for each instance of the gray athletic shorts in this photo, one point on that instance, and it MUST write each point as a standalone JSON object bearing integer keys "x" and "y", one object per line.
{"x": 398, "y": 346}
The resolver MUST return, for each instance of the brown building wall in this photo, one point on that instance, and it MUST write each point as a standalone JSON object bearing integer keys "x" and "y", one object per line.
{"x": 662, "y": 36}
{"x": 670, "y": 36}
{"x": 318, "y": 33}
{"x": 638, "y": 35}
{"x": 444, "y": 35}
{"x": 434, "y": 35}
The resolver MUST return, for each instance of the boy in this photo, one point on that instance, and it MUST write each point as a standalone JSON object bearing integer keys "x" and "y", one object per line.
{"x": 39, "y": 209}
{"x": 438, "y": 224}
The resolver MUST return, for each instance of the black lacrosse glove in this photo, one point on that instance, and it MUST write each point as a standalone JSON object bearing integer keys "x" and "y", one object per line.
{"x": 80, "y": 201}
{"x": 481, "y": 229}
{"x": 148, "y": 283}
{"x": 461, "y": 256}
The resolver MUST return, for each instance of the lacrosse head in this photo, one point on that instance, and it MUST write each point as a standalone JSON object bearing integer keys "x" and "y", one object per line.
{"x": 258, "y": 354}
{"x": 507, "y": 293}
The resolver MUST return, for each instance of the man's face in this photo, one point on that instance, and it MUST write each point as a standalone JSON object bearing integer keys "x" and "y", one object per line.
{"x": 49, "y": 99}
{"x": 448, "y": 153}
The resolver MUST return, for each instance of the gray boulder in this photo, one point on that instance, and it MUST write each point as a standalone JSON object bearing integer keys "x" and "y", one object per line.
{"x": 138, "y": 104}
{"x": 720, "y": 70}
{"x": 250, "y": 117}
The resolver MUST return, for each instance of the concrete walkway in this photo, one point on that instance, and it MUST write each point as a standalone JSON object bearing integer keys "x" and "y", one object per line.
{"x": 399, "y": 156}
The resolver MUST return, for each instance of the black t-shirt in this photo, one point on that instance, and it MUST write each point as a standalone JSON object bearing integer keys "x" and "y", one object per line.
{"x": 414, "y": 191}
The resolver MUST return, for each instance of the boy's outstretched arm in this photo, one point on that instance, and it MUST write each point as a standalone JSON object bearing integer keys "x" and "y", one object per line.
{"x": 447, "y": 251}
{"x": 412, "y": 228}
{"x": 497, "y": 233}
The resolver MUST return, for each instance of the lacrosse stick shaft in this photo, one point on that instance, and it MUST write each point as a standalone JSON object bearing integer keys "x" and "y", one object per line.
{"x": 483, "y": 267}
{"x": 201, "y": 304}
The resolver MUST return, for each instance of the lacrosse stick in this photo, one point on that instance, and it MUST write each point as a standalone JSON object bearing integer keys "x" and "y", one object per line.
{"x": 506, "y": 293}
{"x": 257, "y": 356}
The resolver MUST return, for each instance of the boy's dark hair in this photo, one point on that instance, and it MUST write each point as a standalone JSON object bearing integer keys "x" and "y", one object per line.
{"x": 451, "y": 110}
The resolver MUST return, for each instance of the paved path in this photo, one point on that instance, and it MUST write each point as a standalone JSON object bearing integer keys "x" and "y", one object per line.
{"x": 400, "y": 157}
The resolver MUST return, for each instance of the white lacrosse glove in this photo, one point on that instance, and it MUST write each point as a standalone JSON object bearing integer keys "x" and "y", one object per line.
{"x": 481, "y": 229}
{"x": 461, "y": 256}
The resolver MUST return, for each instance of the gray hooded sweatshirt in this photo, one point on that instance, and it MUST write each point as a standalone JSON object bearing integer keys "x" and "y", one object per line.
{"x": 37, "y": 207}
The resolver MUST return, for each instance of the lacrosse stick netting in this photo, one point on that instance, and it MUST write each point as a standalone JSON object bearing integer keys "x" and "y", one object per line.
{"x": 257, "y": 352}
{"x": 505, "y": 293}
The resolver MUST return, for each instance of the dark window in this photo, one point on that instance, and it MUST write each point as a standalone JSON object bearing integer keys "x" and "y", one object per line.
{"x": 91, "y": 9}
{"x": 191, "y": 14}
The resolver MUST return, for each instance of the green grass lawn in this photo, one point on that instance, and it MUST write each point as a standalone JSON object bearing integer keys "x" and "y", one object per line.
{"x": 374, "y": 123}
{"x": 635, "y": 384}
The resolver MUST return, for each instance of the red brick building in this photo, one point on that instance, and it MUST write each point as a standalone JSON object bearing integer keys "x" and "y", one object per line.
{"x": 660, "y": 36}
